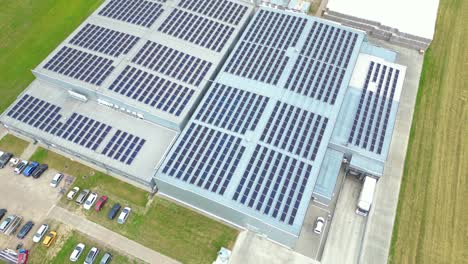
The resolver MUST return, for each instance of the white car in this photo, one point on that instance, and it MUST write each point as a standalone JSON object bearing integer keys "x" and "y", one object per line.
{"x": 40, "y": 233}
{"x": 72, "y": 193}
{"x": 124, "y": 215}
{"x": 14, "y": 162}
{"x": 90, "y": 201}
{"x": 75, "y": 255}
{"x": 319, "y": 223}
{"x": 21, "y": 166}
{"x": 56, "y": 180}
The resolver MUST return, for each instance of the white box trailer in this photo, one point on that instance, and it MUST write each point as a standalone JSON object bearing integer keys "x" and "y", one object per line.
{"x": 366, "y": 197}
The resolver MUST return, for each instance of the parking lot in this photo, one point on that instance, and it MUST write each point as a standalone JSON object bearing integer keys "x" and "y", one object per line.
{"x": 29, "y": 198}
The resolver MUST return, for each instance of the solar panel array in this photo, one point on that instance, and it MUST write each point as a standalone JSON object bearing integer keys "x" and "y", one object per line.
{"x": 152, "y": 90}
{"x": 295, "y": 130}
{"x": 78, "y": 129}
{"x": 273, "y": 183}
{"x": 80, "y": 65}
{"x": 320, "y": 68}
{"x": 261, "y": 54}
{"x": 35, "y": 112}
{"x": 205, "y": 158}
{"x": 197, "y": 29}
{"x": 173, "y": 63}
{"x": 223, "y": 10}
{"x": 138, "y": 12}
{"x": 104, "y": 40}
{"x": 232, "y": 108}
{"x": 372, "y": 116}
{"x": 123, "y": 147}
{"x": 82, "y": 130}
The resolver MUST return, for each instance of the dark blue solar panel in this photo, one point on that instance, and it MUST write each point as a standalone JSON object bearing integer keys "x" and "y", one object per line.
{"x": 205, "y": 158}
{"x": 173, "y": 63}
{"x": 104, "y": 40}
{"x": 232, "y": 109}
{"x": 123, "y": 147}
{"x": 80, "y": 65}
{"x": 275, "y": 181}
{"x": 223, "y": 10}
{"x": 152, "y": 90}
{"x": 295, "y": 130}
{"x": 138, "y": 12}
{"x": 197, "y": 29}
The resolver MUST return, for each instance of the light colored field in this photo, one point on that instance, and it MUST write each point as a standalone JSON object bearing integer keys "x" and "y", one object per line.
{"x": 13, "y": 144}
{"x": 432, "y": 218}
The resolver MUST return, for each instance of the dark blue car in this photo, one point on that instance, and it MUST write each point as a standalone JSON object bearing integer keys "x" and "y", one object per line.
{"x": 30, "y": 168}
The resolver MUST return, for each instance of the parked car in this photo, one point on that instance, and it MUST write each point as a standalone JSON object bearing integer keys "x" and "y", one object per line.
{"x": 2, "y": 213}
{"x": 106, "y": 259}
{"x": 7, "y": 222}
{"x": 56, "y": 180}
{"x": 90, "y": 201}
{"x": 40, "y": 233}
{"x": 4, "y": 158}
{"x": 30, "y": 168}
{"x": 49, "y": 239}
{"x": 82, "y": 197}
{"x": 38, "y": 172}
{"x": 21, "y": 166}
{"x": 14, "y": 162}
{"x": 23, "y": 256}
{"x": 72, "y": 193}
{"x": 100, "y": 203}
{"x": 14, "y": 225}
{"x": 113, "y": 211}
{"x": 319, "y": 223}
{"x": 75, "y": 255}
{"x": 124, "y": 215}
{"x": 92, "y": 254}
{"x": 25, "y": 230}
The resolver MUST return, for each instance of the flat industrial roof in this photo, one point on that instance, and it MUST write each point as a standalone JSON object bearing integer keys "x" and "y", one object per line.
{"x": 154, "y": 33}
{"x": 158, "y": 139}
{"x": 416, "y": 17}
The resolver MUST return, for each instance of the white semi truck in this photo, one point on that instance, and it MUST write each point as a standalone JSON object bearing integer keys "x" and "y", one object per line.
{"x": 366, "y": 197}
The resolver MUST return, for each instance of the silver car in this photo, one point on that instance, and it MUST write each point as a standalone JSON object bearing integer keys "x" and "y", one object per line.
{"x": 92, "y": 254}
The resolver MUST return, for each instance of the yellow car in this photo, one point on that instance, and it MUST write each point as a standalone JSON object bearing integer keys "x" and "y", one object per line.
{"x": 50, "y": 238}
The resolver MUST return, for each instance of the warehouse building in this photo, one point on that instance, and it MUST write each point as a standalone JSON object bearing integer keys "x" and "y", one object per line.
{"x": 407, "y": 23}
{"x": 118, "y": 91}
{"x": 296, "y": 97}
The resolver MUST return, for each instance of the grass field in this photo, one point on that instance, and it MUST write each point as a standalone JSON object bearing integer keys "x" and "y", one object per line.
{"x": 162, "y": 225}
{"x": 431, "y": 225}
{"x": 30, "y": 30}
{"x": 13, "y": 144}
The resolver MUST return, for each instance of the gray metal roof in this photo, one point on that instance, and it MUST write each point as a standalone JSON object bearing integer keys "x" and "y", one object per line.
{"x": 204, "y": 26}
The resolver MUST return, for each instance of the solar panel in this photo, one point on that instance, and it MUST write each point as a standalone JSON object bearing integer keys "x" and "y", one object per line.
{"x": 197, "y": 29}
{"x": 223, "y": 10}
{"x": 35, "y": 112}
{"x": 232, "y": 109}
{"x": 173, "y": 63}
{"x": 152, "y": 90}
{"x": 296, "y": 130}
{"x": 273, "y": 183}
{"x": 80, "y": 65}
{"x": 205, "y": 158}
{"x": 81, "y": 130}
{"x": 123, "y": 147}
{"x": 374, "y": 108}
{"x": 138, "y": 12}
{"x": 104, "y": 40}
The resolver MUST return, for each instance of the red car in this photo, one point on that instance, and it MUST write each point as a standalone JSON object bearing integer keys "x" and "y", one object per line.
{"x": 23, "y": 256}
{"x": 100, "y": 203}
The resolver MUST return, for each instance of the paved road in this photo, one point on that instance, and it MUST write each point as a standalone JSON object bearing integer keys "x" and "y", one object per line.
{"x": 253, "y": 249}
{"x": 108, "y": 237}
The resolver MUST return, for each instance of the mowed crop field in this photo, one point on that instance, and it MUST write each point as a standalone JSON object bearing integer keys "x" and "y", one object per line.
{"x": 29, "y": 31}
{"x": 432, "y": 218}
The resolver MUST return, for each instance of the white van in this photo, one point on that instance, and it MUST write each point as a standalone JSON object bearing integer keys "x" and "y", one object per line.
{"x": 40, "y": 233}
{"x": 366, "y": 197}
